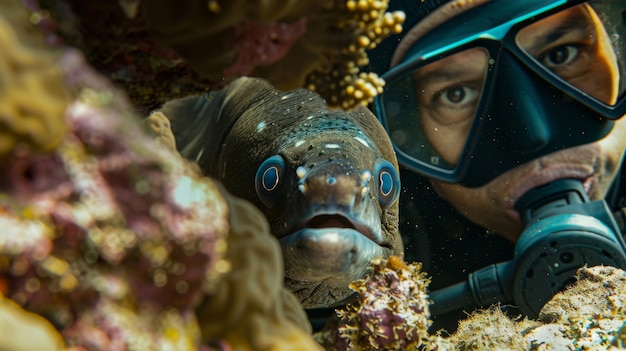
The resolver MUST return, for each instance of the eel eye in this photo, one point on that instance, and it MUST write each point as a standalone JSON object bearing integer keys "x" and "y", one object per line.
{"x": 268, "y": 179}
{"x": 387, "y": 182}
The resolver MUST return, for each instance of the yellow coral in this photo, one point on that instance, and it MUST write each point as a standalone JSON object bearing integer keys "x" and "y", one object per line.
{"x": 251, "y": 309}
{"x": 357, "y": 26}
{"x": 32, "y": 94}
{"x": 22, "y": 330}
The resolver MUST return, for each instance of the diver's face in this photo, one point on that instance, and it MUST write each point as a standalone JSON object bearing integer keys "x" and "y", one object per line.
{"x": 447, "y": 95}
{"x": 492, "y": 205}
{"x": 574, "y": 45}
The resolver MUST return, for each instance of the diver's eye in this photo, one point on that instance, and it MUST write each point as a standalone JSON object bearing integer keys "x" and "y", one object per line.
{"x": 560, "y": 56}
{"x": 387, "y": 182}
{"x": 268, "y": 179}
{"x": 458, "y": 95}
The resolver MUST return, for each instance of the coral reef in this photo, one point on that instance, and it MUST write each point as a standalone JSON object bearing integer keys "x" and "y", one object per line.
{"x": 391, "y": 313}
{"x": 109, "y": 234}
{"x": 163, "y": 49}
{"x": 589, "y": 315}
{"x": 317, "y": 44}
{"x": 120, "y": 243}
{"x": 115, "y": 41}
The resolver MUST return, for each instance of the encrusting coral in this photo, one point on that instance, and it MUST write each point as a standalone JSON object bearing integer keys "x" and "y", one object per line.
{"x": 26, "y": 123}
{"x": 589, "y": 315}
{"x": 391, "y": 312}
{"x": 120, "y": 243}
{"x": 28, "y": 330}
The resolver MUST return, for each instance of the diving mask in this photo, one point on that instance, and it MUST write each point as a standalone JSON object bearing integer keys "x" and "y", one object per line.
{"x": 504, "y": 83}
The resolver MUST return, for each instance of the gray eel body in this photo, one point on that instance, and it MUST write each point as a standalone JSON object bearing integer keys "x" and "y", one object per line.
{"x": 325, "y": 179}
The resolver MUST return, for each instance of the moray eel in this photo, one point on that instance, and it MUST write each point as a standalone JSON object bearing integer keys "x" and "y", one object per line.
{"x": 327, "y": 180}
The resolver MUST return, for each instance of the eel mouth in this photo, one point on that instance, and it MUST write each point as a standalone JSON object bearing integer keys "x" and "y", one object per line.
{"x": 329, "y": 251}
{"x": 337, "y": 220}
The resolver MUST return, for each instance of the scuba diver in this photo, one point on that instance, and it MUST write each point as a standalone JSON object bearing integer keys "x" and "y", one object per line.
{"x": 506, "y": 117}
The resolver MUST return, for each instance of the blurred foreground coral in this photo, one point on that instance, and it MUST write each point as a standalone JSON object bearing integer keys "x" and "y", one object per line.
{"x": 163, "y": 49}
{"x": 111, "y": 236}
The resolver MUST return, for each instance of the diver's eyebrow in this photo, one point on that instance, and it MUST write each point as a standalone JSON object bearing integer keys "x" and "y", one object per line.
{"x": 574, "y": 25}
{"x": 447, "y": 74}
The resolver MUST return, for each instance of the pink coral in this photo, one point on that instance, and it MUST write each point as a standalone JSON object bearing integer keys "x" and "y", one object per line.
{"x": 392, "y": 309}
{"x": 111, "y": 205}
{"x": 109, "y": 231}
{"x": 261, "y": 44}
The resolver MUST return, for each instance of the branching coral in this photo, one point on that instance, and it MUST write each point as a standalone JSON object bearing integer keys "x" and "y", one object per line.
{"x": 341, "y": 81}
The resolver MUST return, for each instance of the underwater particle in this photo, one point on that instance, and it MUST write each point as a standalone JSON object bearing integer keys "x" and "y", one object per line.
{"x": 214, "y": 6}
{"x": 391, "y": 311}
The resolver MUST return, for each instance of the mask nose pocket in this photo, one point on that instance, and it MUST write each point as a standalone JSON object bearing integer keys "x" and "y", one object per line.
{"x": 523, "y": 104}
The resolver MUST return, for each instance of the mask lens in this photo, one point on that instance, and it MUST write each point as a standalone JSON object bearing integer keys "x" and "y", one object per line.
{"x": 582, "y": 47}
{"x": 429, "y": 112}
